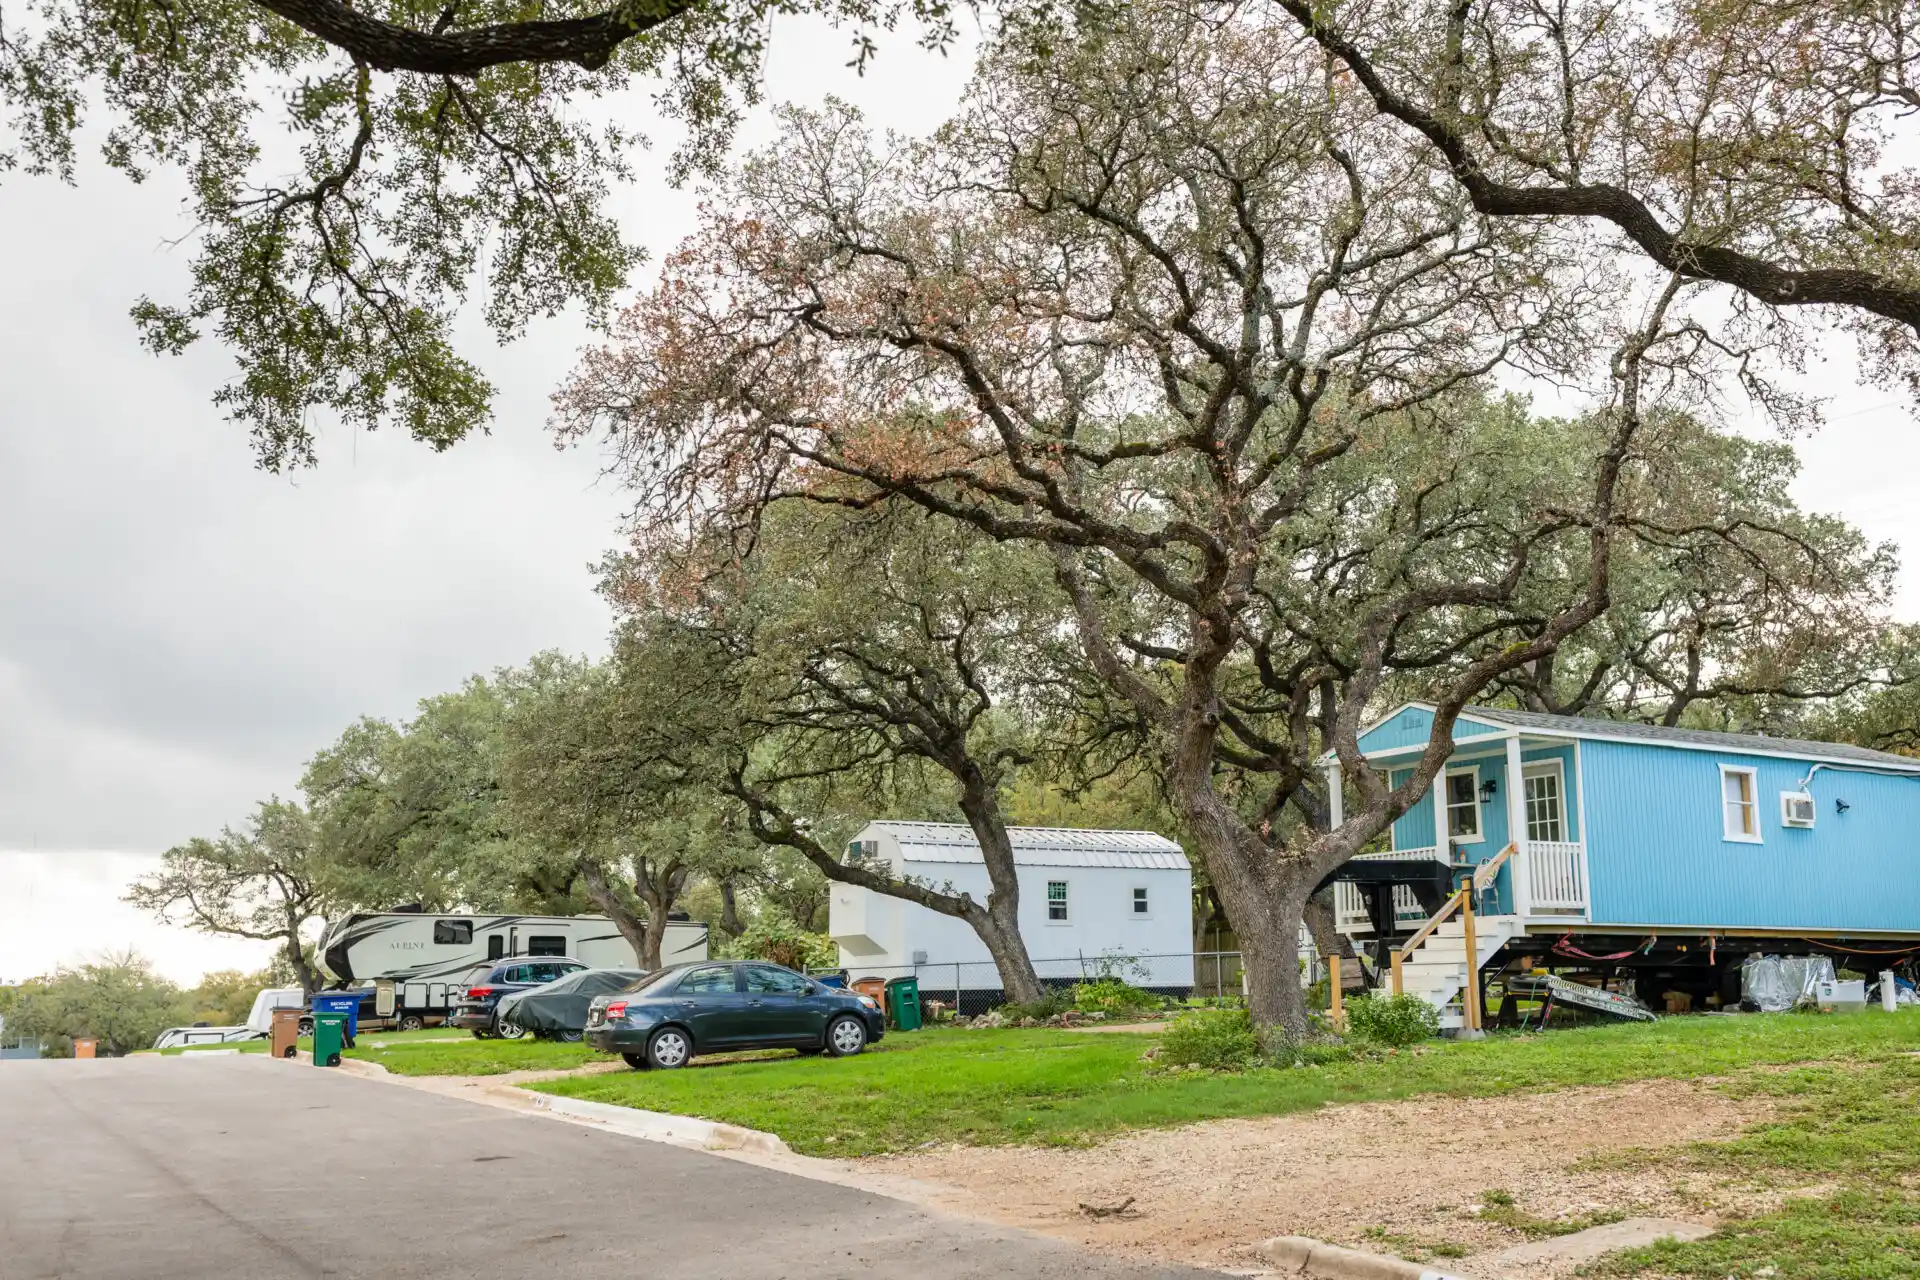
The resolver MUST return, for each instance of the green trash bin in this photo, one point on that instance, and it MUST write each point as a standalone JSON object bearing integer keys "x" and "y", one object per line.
{"x": 329, "y": 1038}
{"x": 903, "y": 1003}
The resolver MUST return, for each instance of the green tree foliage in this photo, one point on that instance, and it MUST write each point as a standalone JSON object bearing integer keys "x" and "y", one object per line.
{"x": 225, "y": 997}
{"x": 1228, "y": 359}
{"x": 357, "y": 173}
{"x": 265, "y": 882}
{"x": 117, "y": 1000}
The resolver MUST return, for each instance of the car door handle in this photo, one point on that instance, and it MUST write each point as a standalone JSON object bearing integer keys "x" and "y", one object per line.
{"x": 755, "y": 1004}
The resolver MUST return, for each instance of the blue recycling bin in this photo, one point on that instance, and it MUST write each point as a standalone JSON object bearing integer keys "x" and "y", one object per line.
{"x": 838, "y": 981}
{"x": 341, "y": 1002}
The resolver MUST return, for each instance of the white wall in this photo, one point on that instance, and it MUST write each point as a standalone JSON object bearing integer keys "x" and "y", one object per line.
{"x": 883, "y": 932}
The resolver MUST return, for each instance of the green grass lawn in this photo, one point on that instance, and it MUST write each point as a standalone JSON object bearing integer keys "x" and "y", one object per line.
{"x": 1853, "y": 1128}
{"x": 434, "y": 1053}
{"x": 1037, "y": 1086}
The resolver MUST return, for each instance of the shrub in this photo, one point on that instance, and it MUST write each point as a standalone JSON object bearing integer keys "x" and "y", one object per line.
{"x": 1217, "y": 1038}
{"x": 1056, "y": 1000}
{"x": 783, "y": 942}
{"x": 1392, "y": 1020}
{"x": 1111, "y": 995}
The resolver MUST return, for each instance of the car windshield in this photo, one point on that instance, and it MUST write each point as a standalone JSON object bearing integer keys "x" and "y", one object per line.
{"x": 648, "y": 982}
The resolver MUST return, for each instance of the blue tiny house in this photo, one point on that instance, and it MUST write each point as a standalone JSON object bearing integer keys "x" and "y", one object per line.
{"x": 1698, "y": 843}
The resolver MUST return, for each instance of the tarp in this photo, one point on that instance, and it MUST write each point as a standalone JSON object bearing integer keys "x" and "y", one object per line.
{"x": 1775, "y": 984}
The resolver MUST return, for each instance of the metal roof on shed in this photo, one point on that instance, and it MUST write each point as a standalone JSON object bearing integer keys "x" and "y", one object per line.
{"x": 1039, "y": 846}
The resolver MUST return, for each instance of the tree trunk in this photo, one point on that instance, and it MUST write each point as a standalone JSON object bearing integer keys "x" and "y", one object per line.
{"x": 1000, "y": 931}
{"x": 729, "y": 910}
{"x": 594, "y": 878}
{"x": 658, "y": 888}
{"x": 1318, "y": 917}
{"x": 309, "y": 975}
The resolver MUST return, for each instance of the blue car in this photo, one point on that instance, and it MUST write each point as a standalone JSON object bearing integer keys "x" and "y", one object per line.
{"x": 477, "y": 1011}
{"x": 667, "y": 1018}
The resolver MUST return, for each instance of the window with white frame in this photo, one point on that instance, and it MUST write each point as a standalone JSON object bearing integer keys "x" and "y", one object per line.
{"x": 1546, "y": 802}
{"x": 1739, "y": 804}
{"x": 1463, "y": 805}
{"x": 1142, "y": 904}
{"x": 1056, "y": 902}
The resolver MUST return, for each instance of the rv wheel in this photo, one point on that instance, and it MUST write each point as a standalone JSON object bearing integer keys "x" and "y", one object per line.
{"x": 412, "y": 1022}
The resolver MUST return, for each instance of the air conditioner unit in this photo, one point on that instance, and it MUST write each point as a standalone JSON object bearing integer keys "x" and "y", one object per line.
{"x": 1796, "y": 809}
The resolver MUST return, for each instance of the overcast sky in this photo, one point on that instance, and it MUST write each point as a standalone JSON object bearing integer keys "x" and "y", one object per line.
{"x": 179, "y": 631}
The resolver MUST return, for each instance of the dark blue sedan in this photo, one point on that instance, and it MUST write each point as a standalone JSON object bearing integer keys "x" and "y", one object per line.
{"x": 666, "y": 1018}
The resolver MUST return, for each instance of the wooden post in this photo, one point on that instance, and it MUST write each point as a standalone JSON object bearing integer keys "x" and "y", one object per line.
{"x": 1336, "y": 1013}
{"x": 1470, "y": 1003}
{"x": 1399, "y": 973}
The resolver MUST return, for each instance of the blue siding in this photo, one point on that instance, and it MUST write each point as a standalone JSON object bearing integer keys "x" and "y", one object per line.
{"x": 1410, "y": 727}
{"x": 1656, "y": 853}
{"x": 1414, "y": 830}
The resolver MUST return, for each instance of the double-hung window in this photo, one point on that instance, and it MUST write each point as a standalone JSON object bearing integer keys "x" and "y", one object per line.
{"x": 1739, "y": 804}
{"x": 1056, "y": 902}
{"x": 1463, "y": 806}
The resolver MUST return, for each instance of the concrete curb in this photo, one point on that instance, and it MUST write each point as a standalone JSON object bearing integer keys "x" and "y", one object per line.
{"x": 658, "y": 1126}
{"x": 1304, "y": 1256}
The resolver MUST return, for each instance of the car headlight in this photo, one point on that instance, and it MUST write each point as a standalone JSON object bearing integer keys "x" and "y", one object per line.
{"x": 870, "y": 1002}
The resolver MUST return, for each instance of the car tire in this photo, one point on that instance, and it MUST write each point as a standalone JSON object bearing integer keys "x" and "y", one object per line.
{"x": 638, "y": 1061}
{"x": 846, "y": 1036}
{"x": 669, "y": 1049}
{"x": 570, "y": 1037}
{"x": 413, "y": 1022}
{"x": 507, "y": 1029}
{"x": 306, "y": 1026}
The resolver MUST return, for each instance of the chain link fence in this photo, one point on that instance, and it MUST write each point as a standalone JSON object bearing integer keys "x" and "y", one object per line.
{"x": 972, "y": 987}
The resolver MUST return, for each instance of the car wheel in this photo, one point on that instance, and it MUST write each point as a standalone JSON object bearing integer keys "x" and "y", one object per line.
{"x": 508, "y": 1029}
{"x": 846, "y": 1037}
{"x": 638, "y": 1061}
{"x": 412, "y": 1022}
{"x": 306, "y": 1026}
{"x": 570, "y": 1037}
{"x": 669, "y": 1049}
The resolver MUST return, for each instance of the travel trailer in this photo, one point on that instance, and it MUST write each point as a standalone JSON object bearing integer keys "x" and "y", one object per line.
{"x": 429, "y": 959}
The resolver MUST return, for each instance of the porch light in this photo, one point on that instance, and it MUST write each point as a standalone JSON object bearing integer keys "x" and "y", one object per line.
{"x": 1487, "y": 790}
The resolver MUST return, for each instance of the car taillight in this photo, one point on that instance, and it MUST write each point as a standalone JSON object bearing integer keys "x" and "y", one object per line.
{"x": 479, "y": 993}
{"x": 618, "y": 1009}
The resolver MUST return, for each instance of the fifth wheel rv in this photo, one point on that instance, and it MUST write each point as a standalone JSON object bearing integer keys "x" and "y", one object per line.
{"x": 428, "y": 958}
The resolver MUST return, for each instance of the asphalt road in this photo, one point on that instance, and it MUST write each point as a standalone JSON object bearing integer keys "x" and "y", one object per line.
{"x": 240, "y": 1166}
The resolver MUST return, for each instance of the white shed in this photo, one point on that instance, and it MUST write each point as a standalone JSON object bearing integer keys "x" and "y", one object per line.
{"x": 1087, "y": 899}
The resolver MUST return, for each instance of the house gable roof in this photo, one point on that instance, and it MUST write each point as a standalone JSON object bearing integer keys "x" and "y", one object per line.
{"x": 1651, "y": 734}
{"x": 1036, "y": 846}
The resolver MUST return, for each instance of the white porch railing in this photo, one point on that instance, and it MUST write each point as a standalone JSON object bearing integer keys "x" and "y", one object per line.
{"x": 1350, "y": 909}
{"x": 1557, "y": 875}
{"x": 1556, "y": 880}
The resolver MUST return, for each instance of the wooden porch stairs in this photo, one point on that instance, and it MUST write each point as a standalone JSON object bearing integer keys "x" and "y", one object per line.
{"x": 1436, "y": 970}
{"x": 1435, "y": 963}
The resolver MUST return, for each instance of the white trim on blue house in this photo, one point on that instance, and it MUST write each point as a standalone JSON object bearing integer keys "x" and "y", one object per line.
{"x": 1727, "y": 832}
{"x": 1571, "y": 728}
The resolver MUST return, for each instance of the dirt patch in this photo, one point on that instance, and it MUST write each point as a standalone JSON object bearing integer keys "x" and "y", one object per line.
{"x": 1379, "y": 1176}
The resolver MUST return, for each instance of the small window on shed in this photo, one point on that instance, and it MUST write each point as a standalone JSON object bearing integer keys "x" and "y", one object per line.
{"x": 1142, "y": 906}
{"x": 548, "y": 945}
{"x": 453, "y": 933}
{"x": 1056, "y": 902}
